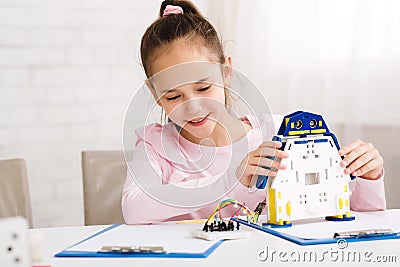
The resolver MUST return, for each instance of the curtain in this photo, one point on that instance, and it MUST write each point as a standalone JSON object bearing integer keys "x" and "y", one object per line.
{"x": 338, "y": 58}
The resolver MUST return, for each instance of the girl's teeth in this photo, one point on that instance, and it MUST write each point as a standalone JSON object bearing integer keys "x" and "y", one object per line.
{"x": 198, "y": 120}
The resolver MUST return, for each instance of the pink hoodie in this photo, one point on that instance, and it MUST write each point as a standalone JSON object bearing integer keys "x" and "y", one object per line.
{"x": 162, "y": 152}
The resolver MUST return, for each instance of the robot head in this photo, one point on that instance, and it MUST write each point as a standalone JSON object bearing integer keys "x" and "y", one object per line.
{"x": 303, "y": 123}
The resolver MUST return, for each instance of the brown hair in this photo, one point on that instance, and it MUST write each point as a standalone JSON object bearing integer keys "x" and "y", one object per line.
{"x": 190, "y": 26}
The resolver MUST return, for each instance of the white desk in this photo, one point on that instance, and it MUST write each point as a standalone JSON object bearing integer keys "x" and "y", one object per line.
{"x": 231, "y": 253}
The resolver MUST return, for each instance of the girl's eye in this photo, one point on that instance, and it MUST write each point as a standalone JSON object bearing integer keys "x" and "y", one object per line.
{"x": 204, "y": 88}
{"x": 172, "y": 97}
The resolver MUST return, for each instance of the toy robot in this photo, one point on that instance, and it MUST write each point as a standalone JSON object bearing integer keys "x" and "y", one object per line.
{"x": 313, "y": 184}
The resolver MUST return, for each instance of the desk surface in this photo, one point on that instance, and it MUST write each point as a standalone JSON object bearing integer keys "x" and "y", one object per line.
{"x": 234, "y": 253}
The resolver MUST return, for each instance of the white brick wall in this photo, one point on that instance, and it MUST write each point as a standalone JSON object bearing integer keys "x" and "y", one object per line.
{"x": 67, "y": 72}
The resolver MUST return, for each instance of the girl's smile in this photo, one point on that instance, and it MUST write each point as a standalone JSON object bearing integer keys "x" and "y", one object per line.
{"x": 199, "y": 121}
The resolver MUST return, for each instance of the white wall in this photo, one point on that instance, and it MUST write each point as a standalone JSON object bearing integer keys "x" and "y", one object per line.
{"x": 68, "y": 70}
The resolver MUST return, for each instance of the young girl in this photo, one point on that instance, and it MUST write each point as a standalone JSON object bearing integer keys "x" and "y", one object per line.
{"x": 182, "y": 169}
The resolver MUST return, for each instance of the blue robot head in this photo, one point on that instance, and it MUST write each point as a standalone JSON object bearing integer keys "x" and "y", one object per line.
{"x": 301, "y": 123}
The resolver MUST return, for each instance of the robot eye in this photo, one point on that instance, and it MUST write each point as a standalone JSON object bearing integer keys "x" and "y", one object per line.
{"x": 299, "y": 124}
{"x": 313, "y": 123}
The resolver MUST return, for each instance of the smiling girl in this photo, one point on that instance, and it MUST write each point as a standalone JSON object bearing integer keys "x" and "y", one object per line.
{"x": 204, "y": 153}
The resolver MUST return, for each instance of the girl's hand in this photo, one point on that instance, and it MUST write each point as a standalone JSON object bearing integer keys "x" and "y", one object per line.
{"x": 362, "y": 160}
{"x": 254, "y": 162}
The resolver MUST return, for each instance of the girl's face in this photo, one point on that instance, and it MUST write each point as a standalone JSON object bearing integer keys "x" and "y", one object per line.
{"x": 194, "y": 106}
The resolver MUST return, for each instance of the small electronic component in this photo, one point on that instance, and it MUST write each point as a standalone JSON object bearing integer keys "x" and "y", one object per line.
{"x": 215, "y": 221}
{"x": 258, "y": 210}
{"x": 216, "y": 227}
{"x": 221, "y": 226}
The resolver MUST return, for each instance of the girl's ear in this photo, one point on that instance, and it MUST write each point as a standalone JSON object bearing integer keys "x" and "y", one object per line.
{"x": 228, "y": 61}
{"x": 153, "y": 92}
{"x": 228, "y": 71}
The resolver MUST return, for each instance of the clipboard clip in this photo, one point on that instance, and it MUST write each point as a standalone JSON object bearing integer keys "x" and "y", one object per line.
{"x": 364, "y": 233}
{"x": 131, "y": 250}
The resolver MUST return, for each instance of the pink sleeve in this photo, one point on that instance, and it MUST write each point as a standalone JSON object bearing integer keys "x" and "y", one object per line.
{"x": 247, "y": 195}
{"x": 368, "y": 195}
{"x": 137, "y": 206}
{"x": 147, "y": 166}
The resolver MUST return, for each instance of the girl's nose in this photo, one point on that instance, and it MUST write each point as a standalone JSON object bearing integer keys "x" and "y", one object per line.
{"x": 193, "y": 106}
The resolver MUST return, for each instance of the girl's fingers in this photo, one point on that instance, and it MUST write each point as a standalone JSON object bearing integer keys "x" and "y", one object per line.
{"x": 261, "y": 162}
{"x": 269, "y": 152}
{"x": 256, "y": 170}
{"x": 263, "y": 171}
{"x": 360, "y": 162}
{"x": 362, "y": 159}
{"x": 354, "y": 154}
{"x": 261, "y": 151}
{"x": 273, "y": 144}
{"x": 346, "y": 149}
{"x": 279, "y": 154}
{"x": 266, "y": 162}
{"x": 375, "y": 165}
{"x": 365, "y": 168}
{"x": 256, "y": 161}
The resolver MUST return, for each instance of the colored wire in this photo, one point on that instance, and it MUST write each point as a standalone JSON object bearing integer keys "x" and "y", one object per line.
{"x": 216, "y": 214}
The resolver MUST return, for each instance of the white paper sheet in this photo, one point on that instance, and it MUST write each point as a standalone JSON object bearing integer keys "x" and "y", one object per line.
{"x": 173, "y": 237}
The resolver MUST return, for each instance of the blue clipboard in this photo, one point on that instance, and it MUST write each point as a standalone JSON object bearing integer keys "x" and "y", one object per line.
{"x": 92, "y": 254}
{"x": 315, "y": 241}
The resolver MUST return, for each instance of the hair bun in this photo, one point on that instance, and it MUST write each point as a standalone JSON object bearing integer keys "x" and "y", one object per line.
{"x": 187, "y": 6}
{"x": 182, "y": 21}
